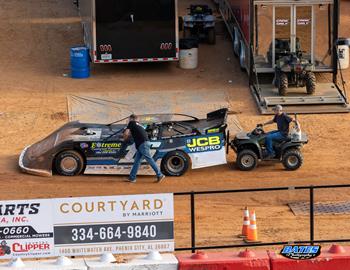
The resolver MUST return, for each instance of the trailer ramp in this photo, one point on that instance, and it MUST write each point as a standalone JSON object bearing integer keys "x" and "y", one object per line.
{"x": 327, "y": 99}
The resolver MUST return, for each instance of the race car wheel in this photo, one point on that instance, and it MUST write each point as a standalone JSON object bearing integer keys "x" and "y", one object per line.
{"x": 175, "y": 163}
{"x": 292, "y": 159}
{"x": 247, "y": 160}
{"x": 69, "y": 163}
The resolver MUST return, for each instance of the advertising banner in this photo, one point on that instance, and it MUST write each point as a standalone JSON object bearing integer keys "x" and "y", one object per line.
{"x": 87, "y": 225}
{"x": 117, "y": 224}
{"x": 26, "y": 229}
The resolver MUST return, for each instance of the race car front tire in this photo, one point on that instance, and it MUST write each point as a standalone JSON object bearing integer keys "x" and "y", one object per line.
{"x": 69, "y": 163}
{"x": 175, "y": 163}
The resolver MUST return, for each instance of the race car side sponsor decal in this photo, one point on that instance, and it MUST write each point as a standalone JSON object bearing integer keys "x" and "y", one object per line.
{"x": 106, "y": 147}
{"x": 204, "y": 143}
{"x": 206, "y": 151}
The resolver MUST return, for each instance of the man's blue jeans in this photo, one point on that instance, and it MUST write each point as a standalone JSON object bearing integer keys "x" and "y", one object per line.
{"x": 273, "y": 136}
{"x": 144, "y": 153}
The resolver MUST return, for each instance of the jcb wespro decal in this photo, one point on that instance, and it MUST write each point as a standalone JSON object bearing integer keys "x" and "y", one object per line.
{"x": 204, "y": 143}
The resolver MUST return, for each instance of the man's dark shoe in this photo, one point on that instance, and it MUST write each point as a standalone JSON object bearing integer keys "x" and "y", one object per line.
{"x": 130, "y": 180}
{"x": 160, "y": 178}
{"x": 270, "y": 156}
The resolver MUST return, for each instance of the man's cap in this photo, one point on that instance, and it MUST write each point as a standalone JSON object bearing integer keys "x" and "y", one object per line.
{"x": 278, "y": 108}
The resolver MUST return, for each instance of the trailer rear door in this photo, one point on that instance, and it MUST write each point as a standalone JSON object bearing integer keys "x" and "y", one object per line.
{"x": 135, "y": 30}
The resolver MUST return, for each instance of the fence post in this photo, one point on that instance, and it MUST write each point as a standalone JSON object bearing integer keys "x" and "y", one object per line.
{"x": 193, "y": 224}
{"x": 312, "y": 215}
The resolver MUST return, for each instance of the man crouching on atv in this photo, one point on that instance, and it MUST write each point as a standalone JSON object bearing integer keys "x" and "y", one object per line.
{"x": 282, "y": 120}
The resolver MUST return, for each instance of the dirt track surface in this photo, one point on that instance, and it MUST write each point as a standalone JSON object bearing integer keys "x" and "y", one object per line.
{"x": 35, "y": 37}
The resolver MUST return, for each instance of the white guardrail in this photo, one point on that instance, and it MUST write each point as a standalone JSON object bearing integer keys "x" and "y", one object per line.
{"x": 152, "y": 260}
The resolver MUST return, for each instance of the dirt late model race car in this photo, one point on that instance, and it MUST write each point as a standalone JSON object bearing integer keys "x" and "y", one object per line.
{"x": 177, "y": 145}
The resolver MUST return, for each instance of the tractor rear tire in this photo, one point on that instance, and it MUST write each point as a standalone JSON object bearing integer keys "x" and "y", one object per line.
{"x": 211, "y": 36}
{"x": 282, "y": 84}
{"x": 310, "y": 82}
{"x": 292, "y": 159}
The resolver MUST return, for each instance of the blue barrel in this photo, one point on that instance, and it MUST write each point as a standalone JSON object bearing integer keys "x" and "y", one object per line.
{"x": 79, "y": 62}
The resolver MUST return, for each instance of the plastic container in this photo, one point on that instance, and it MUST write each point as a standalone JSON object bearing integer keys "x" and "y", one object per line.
{"x": 343, "y": 52}
{"x": 188, "y": 56}
{"x": 79, "y": 62}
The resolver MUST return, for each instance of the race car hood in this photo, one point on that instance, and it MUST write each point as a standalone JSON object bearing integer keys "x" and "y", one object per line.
{"x": 37, "y": 158}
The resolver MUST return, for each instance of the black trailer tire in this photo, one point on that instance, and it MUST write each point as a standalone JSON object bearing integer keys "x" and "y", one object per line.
{"x": 282, "y": 84}
{"x": 292, "y": 159}
{"x": 236, "y": 42}
{"x": 310, "y": 82}
{"x": 175, "y": 163}
{"x": 187, "y": 32}
{"x": 181, "y": 23}
{"x": 69, "y": 163}
{"x": 247, "y": 160}
{"x": 211, "y": 36}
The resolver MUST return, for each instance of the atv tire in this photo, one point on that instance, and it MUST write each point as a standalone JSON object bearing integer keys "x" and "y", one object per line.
{"x": 247, "y": 160}
{"x": 175, "y": 163}
{"x": 282, "y": 84}
{"x": 211, "y": 36}
{"x": 292, "y": 159}
{"x": 187, "y": 32}
{"x": 310, "y": 82}
{"x": 69, "y": 163}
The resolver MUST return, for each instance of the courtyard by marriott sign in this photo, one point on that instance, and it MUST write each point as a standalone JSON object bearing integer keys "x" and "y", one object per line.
{"x": 86, "y": 225}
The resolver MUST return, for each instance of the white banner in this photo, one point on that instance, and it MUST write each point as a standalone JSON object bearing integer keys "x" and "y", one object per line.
{"x": 87, "y": 225}
{"x": 26, "y": 229}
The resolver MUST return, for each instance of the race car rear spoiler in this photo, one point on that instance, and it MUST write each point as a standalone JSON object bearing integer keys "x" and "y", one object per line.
{"x": 218, "y": 114}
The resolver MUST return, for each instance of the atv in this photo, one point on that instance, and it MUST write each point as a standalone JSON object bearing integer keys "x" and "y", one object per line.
{"x": 200, "y": 23}
{"x": 292, "y": 68}
{"x": 250, "y": 148}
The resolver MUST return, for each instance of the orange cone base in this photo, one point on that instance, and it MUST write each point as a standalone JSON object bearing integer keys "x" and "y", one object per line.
{"x": 241, "y": 236}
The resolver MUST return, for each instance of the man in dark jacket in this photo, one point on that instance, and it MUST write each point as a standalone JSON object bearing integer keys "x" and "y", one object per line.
{"x": 143, "y": 146}
{"x": 282, "y": 120}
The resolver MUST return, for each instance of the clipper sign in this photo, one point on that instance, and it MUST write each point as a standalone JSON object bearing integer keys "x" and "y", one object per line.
{"x": 86, "y": 225}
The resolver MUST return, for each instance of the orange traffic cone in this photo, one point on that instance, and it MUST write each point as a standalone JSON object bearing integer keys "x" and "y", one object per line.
{"x": 252, "y": 236}
{"x": 246, "y": 223}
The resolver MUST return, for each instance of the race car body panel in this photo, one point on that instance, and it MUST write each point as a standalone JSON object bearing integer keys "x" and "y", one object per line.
{"x": 105, "y": 152}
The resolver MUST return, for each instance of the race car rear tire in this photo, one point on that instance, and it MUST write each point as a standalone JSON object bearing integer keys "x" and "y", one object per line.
{"x": 175, "y": 163}
{"x": 247, "y": 160}
{"x": 69, "y": 163}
